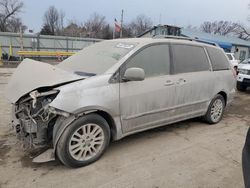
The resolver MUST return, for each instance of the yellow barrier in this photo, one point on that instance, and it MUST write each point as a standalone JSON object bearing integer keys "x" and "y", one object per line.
{"x": 44, "y": 53}
{"x": 10, "y": 51}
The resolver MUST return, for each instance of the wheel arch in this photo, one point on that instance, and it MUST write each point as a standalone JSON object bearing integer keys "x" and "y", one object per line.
{"x": 63, "y": 122}
{"x": 109, "y": 120}
{"x": 104, "y": 113}
{"x": 224, "y": 95}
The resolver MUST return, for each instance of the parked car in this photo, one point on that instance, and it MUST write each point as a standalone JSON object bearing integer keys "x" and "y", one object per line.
{"x": 243, "y": 78}
{"x": 243, "y": 63}
{"x": 233, "y": 61}
{"x": 113, "y": 89}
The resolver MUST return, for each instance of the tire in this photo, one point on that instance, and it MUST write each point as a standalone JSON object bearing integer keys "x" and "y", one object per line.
{"x": 240, "y": 87}
{"x": 216, "y": 106}
{"x": 83, "y": 141}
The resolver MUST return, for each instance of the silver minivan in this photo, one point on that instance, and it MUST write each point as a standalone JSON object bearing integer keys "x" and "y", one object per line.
{"x": 113, "y": 89}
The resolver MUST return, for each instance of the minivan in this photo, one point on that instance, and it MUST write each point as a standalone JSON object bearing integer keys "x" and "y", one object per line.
{"x": 113, "y": 89}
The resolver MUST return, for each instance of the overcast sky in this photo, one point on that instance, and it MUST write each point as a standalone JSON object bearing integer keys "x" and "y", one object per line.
{"x": 177, "y": 12}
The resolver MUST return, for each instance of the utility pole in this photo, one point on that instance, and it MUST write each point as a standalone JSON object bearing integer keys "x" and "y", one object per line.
{"x": 121, "y": 23}
{"x": 21, "y": 38}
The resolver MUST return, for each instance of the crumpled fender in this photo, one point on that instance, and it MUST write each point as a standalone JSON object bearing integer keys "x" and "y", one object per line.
{"x": 61, "y": 124}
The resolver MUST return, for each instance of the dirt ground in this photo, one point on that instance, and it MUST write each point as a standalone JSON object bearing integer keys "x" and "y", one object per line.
{"x": 187, "y": 154}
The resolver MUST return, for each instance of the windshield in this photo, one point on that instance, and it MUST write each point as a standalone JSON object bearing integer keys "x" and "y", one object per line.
{"x": 97, "y": 58}
{"x": 246, "y": 61}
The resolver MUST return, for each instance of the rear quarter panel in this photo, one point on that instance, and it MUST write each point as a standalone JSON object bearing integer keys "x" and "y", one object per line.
{"x": 226, "y": 82}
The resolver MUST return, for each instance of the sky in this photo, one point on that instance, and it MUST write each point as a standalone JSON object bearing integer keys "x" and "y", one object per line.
{"x": 176, "y": 12}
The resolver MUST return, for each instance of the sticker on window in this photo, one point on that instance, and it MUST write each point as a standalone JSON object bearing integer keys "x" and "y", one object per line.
{"x": 123, "y": 45}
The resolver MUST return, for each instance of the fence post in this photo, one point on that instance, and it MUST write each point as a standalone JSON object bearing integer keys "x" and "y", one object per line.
{"x": 1, "y": 55}
{"x": 38, "y": 45}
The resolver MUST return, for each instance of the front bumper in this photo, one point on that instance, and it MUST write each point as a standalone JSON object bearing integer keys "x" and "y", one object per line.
{"x": 243, "y": 79}
{"x": 22, "y": 130}
{"x": 28, "y": 132}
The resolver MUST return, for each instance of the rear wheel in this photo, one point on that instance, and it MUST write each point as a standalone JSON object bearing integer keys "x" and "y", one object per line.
{"x": 84, "y": 141}
{"x": 215, "y": 110}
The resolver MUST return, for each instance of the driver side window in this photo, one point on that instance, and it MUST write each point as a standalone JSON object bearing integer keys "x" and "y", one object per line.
{"x": 154, "y": 60}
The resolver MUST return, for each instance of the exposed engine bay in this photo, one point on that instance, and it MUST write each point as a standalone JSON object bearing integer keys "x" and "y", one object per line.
{"x": 34, "y": 119}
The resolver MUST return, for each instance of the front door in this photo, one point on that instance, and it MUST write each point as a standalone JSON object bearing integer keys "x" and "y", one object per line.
{"x": 145, "y": 104}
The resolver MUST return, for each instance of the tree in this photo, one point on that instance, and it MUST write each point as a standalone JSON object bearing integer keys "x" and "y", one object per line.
{"x": 46, "y": 30}
{"x": 95, "y": 25}
{"x": 53, "y": 21}
{"x": 219, "y": 27}
{"x": 107, "y": 32}
{"x": 141, "y": 24}
{"x": 74, "y": 30}
{"x": 9, "y": 9}
{"x": 242, "y": 32}
{"x": 15, "y": 25}
{"x": 127, "y": 31}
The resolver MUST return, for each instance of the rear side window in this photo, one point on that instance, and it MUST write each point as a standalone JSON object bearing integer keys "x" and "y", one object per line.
{"x": 155, "y": 60}
{"x": 218, "y": 59}
{"x": 189, "y": 58}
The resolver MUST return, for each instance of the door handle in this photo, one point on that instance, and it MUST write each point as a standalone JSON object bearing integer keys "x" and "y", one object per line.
{"x": 181, "y": 80}
{"x": 169, "y": 83}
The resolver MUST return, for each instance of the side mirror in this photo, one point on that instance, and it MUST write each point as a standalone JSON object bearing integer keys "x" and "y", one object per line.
{"x": 134, "y": 74}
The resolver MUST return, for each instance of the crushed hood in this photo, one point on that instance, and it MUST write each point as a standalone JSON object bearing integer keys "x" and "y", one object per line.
{"x": 31, "y": 75}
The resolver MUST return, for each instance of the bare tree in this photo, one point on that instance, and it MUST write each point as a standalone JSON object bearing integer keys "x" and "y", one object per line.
{"x": 60, "y": 25}
{"x": 53, "y": 21}
{"x": 8, "y": 10}
{"x": 242, "y": 32}
{"x": 127, "y": 31}
{"x": 15, "y": 25}
{"x": 219, "y": 27}
{"x": 74, "y": 29}
{"x": 107, "y": 32}
{"x": 140, "y": 24}
{"x": 95, "y": 25}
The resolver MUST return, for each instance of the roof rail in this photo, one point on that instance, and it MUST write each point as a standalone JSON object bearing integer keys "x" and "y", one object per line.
{"x": 172, "y": 37}
{"x": 185, "y": 38}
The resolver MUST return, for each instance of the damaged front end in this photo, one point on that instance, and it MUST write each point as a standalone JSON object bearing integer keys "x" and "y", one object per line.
{"x": 33, "y": 118}
{"x": 30, "y": 90}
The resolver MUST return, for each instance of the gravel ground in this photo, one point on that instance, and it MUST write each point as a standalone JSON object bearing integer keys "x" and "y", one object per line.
{"x": 187, "y": 154}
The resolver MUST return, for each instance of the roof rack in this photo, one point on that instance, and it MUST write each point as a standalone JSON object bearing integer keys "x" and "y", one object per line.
{"x": 172, "y": 37}
{"x": 185, "y": 38}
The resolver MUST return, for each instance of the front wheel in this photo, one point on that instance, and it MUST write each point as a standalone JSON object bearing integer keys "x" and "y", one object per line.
{"x": 215, "y": 110}
{"x": 84, "y": 141}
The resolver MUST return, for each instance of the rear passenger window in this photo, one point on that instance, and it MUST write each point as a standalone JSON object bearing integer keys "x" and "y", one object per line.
{"x": 189, "y": 58}
{"x": 218, "y": 59}
{"x": 155, "y": 60}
